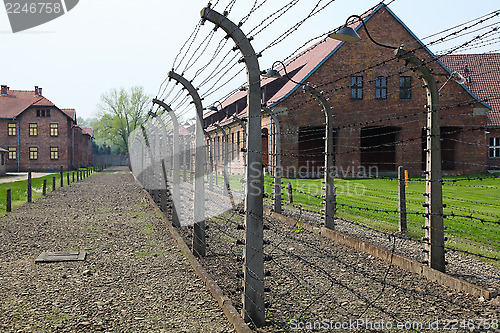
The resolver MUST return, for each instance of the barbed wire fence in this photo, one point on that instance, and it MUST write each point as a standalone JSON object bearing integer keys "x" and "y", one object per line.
{"x": 280, "y": 275}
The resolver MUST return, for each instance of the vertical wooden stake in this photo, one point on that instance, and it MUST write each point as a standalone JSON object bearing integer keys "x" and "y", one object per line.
{"x": 402, "y": 199}
{"x": 9, "y": 201}
{"x": 30, "y": 199}
{"x": 62, "y": 176}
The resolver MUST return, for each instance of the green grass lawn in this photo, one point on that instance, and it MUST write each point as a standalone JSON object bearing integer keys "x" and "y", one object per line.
{"x": 19, "y": 189}
{"x": 356, "y": 197}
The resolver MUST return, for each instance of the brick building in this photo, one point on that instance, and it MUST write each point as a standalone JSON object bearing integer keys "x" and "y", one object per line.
{"x": 40, "y": 136}
{"x": 3, "y": 160}
{"x": 378, "y": 106}
{"x": 482, "y": 77}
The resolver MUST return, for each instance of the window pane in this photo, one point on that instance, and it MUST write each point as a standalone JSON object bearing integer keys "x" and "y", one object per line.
{"x": 33, "y": 153}
{"x": 33, "y": 129}
{"x": 54, "y": 131}
{"x": 54, "y": 153}
{"x": 11, "y": 128}
{"x": 12, "y": 153}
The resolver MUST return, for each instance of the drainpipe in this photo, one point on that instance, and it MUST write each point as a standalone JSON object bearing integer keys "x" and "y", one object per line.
{"x": 72, "y": 147}
{"x": 18, "y": 143}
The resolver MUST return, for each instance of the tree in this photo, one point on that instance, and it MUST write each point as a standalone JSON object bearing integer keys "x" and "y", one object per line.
{"x": 121, "y": 112}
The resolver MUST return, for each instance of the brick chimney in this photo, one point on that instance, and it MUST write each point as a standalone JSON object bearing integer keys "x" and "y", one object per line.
{"x": 36, "y": 91}
{"x": 4, "y": 90}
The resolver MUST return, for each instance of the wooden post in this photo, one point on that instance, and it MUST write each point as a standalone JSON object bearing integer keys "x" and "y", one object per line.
{"x": 44, "y": 187}
{"x": 290, "y": 192}
{"x": 30, "y": 199}
{"x": 402, "y": 199}
{"x": 67, "y": 177}
{"x": 8, "y": 207}
{"x": 62, "y": 176}
{"x": 53, "y": 183}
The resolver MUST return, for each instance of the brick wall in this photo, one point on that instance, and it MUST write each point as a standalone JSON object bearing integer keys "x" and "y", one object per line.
{"x": 405, "y": 117}
{"x": 401, "y": 120}
{"x": 43, "y": 141}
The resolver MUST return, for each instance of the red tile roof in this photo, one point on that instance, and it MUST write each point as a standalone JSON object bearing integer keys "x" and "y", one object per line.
{"x": 303, "y": 65}
{"x": 70, "y": 113}
{"x": 183, "y": 131}
{"x": 17, "y": 101}
{"x": 88, "y": 131}
{"x": 482, "y": 74}
{"x": 299, "y": 68}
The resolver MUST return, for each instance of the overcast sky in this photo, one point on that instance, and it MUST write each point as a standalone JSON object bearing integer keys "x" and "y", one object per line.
{"x": 105, "y": 44}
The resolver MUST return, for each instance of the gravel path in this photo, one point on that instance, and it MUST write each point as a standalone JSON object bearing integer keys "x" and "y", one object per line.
{"x": 459, "y": 265}
{"x": 314, "y": 281}
{"x": 134, "y": 278}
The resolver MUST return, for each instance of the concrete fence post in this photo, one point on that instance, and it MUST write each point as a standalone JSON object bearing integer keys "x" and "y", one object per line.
{"x": 277, "y": 162}
{"x": 434, "y": 224}
{"x": 253, "y": 270}
{"x": 330, "y": 196}
{"x": 199, "y": 240}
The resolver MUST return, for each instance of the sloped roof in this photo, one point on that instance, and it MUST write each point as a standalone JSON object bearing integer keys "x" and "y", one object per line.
{"x": 88, "y": 131}
{"x": 482, "y": 75}
{"x": 70, "y": 113}
{"x": 183, "y": 131}
{"x": 299, "y": 68}
{"x": 303, "y": 65}
{"x": 17, "y": 101}
{"x": 2, "y": 150}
